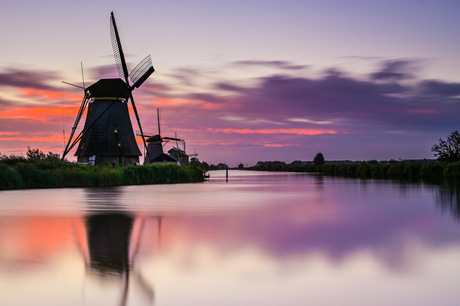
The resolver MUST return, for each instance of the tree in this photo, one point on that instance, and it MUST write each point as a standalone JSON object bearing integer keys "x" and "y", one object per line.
{"x": 35, "y": 154}
{"x": 241, "y": 166}
{"x": 448, "y": 150}
{"x": 319, "y": 160}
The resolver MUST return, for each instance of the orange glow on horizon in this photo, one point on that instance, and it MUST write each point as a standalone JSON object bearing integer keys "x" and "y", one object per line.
{"x": 47, "y": 139}
{"x": 40, "y": 113}
{"x": 49, "y": 94}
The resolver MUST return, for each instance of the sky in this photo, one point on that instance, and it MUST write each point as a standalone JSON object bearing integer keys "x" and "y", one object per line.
{"x": 242, "y": 81}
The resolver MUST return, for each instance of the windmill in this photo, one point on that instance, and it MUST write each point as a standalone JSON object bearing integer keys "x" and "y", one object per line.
{"x": 108, "y": 136}
{"x": 155, "y": 144}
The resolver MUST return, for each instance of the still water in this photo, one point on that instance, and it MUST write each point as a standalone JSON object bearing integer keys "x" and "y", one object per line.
{"x": 259, "y": 239}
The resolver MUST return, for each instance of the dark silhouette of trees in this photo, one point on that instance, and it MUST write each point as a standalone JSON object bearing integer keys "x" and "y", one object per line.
{"x": 448, "y": 150}
{"x": 319, "y": 160}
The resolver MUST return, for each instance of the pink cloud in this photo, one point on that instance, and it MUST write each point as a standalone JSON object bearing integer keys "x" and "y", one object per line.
{"x": 276, "y": 131}
{"x": 422, "y": 111}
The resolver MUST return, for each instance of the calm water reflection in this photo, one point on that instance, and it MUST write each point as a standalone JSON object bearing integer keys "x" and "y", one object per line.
{"x": 260, "y": 239}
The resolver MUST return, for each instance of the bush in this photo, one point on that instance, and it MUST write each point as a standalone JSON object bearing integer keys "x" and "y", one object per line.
{"x": 396, "y": 169}
{"x": 10, "y": 178}
{"x": 452, "y": 170}
{"x": 412, "y": 170}
{"x": 379, "y": 171}
{"x": 432, "y": 170}
{"x": 364, "y": 170}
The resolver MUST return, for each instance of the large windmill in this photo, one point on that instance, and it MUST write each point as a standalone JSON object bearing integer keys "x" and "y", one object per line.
{"x": 108, "y": 136}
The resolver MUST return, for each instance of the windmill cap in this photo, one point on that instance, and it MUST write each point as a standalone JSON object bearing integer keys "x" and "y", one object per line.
{"x": 154, "y": 138}
{"x": 111, "y": 88}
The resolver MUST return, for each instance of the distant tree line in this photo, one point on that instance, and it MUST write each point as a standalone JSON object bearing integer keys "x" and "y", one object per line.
{"x": 368, "y": 169}
{"x": 447, "y": 165}
{"x": 205, "y": 166}
{"x": 40, "y": 170}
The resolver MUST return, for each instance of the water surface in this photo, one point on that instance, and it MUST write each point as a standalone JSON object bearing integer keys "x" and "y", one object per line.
{"x": 259, "y": 239}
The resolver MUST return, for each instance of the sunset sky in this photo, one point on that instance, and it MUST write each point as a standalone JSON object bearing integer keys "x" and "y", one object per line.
{"x": 243, "y": 81}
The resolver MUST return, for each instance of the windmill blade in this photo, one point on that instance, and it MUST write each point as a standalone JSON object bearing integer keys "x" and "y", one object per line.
{"x": 84, "y": 102}
{"x": 147, "y": 134}
{"x": 118, "y": 50}
{"x": 142, "y": 71}
{"x": 84, "y": 131}
{"x": 174, "y": 139}
{"x": 139, "y": 123}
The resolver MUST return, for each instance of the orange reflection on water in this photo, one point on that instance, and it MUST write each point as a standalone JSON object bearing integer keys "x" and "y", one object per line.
{"x": 36, "y": 239}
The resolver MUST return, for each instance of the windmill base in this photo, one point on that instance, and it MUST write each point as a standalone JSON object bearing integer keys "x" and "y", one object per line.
{"x": 105, "y": 160}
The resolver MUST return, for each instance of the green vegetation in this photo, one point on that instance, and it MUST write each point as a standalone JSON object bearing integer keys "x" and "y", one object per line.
{"x": 206, "y": 166}
{"x": 448, "y": 150}
{"x": 41, "y": 170}
{"x": 370, "y": 169}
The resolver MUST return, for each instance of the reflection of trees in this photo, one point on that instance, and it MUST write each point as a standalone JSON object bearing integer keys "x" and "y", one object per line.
{"x": 449, "y": 198}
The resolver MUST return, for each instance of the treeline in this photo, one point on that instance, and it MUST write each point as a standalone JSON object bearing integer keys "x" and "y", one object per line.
{"x": 370, "y": 169}
{"x": 41, "y": 170}
{"x": 205, "y": 166}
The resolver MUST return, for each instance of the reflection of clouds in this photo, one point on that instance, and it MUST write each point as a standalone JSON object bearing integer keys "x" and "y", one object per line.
{"x": 382, "y": 218}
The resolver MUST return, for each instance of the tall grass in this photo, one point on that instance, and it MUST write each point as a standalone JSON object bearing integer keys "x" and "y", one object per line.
{"x": 18, "y": 173}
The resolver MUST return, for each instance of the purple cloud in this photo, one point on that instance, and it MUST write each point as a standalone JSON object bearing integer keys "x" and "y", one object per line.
{"x": 27, "y": 78}
{"x": 394, "y": 70}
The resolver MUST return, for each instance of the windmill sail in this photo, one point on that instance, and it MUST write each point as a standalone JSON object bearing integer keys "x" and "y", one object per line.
{"x": 142, "y": 71}
{"x": 123, "y": 70}
{"x": 118, "y": 50}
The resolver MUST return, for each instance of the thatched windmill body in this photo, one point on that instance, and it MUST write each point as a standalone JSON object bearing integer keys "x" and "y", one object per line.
{"x": 108, "y": 136}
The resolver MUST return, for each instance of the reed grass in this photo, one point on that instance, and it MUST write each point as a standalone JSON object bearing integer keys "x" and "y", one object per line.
{"x": 50, "y": 172}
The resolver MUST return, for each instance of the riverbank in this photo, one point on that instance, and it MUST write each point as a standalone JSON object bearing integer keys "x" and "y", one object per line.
{"x": 21, "y": 173}
{"x": 391, "y": 170}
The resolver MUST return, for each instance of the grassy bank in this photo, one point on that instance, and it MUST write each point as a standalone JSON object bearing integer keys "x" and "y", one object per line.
{"x": 51, "y": 172}
{"x": 392, "y": 170}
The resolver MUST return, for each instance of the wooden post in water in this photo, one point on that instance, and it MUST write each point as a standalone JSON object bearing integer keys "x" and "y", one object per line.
{"x": 226, "y": 174}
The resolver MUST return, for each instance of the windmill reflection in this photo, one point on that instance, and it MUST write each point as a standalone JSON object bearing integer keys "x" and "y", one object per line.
{"x": 109, "y": 237}
{"x": 113, "y": 240}
{"x": 112, "y": 244}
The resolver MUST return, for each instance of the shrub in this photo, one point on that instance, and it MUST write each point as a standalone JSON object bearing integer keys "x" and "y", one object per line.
{"x": 364, "y": 170}
{"x": 452, "y": 170}
{"x": 412, "y": 170}
{"x": 432, "y": 170}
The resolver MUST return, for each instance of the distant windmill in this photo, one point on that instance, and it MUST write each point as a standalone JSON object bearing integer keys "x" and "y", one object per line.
{"x": 155, "y": 144}
{"x": 108, "y": 136}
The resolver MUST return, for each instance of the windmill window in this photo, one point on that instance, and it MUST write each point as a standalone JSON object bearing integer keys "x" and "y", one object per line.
{"x": 119, "y": 143}
{"x": 115, "y": 130}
